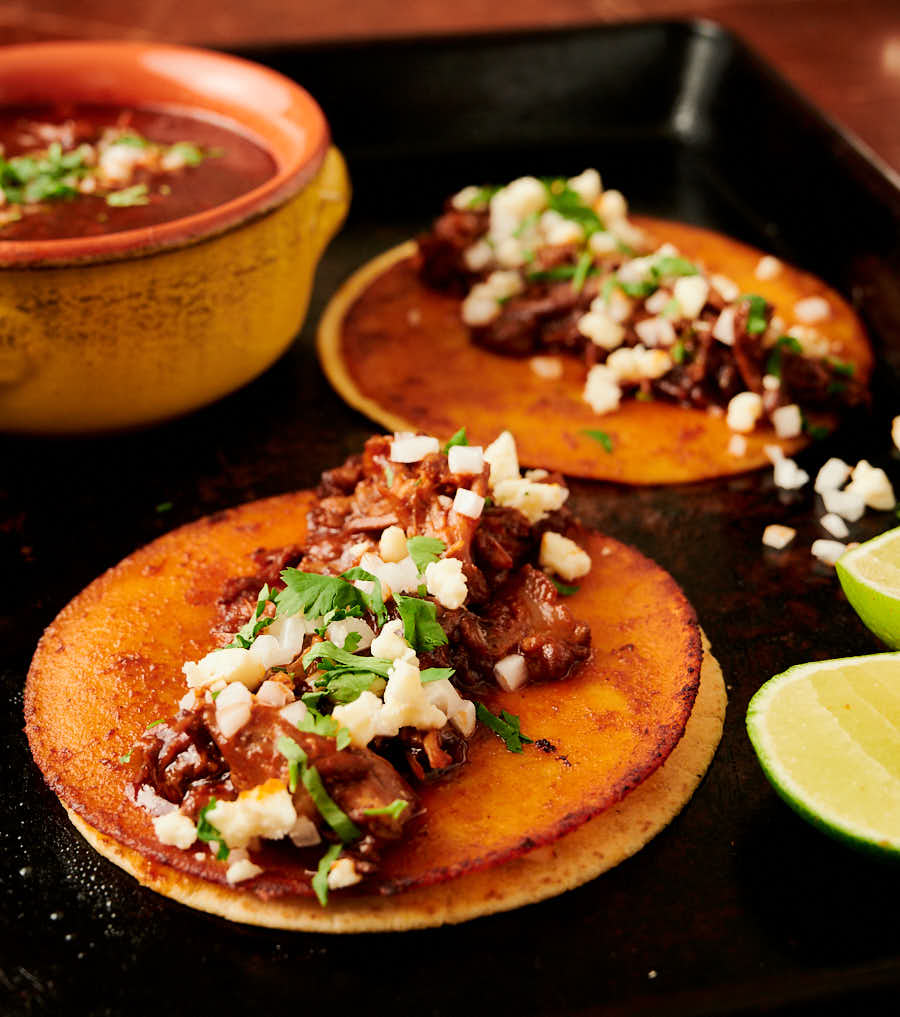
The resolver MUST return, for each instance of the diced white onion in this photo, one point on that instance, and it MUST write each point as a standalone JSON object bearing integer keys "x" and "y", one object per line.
{"x": 511, "y": 672}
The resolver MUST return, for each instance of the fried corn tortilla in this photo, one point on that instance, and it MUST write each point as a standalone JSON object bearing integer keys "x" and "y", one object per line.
{"x": 504, "y": 830}
{"x": 399, "y": 352}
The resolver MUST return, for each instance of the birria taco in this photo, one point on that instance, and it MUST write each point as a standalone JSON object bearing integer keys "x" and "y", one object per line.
{"x": 615, "y": 347}
{"x": 417, "y": 695}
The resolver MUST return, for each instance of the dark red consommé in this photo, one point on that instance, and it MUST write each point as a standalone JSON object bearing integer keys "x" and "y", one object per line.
{"x": 241, "y": 165}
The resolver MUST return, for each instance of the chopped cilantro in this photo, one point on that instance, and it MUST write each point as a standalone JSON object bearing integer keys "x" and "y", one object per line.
{"x": 312, "y": 699}
{"x": 843, "y": 370}
{"x": 505, "y": 727}
{"x": 257, "y": 621}
{"x": 320, "y": 879}
{"x": 165, "y": 506}
{"x": 420, "y": 626}
{"x": 393, "y": 810}
{"x": 483, "y": 196}
{"x": 333, "y": 658}
{"x": 562, "y": 588}
{"x": 127, "y": 757}
{"x": 315, "y": 722}
{"x": 672, "y": 308}
{"x": 345, "y": 676}
{"x": 329, "y": 597}
{"x": 678, "y": 352}
{"x": 352, "y": 641}
{"x": 208, "y": 833}
{"x": 190, "y": 153}
{"x": 664, "y": 267}
{"x": 816, "y": 431}
{"x": 28, "y": 179}
{"x": 460, "y": 438}
{"x": 316, "y": 595}
{"x": 757, "y": 317}
{"x": 128, "y": 196}
{"x": 425, "y": 550}
{"x": 567, "y": 202}
{"x": 840, "y": 367}
{"x": 669, "y": 265}
{"x": 585, "y": 261}
{"x": 131, "y": 141}
{"x": 374, "y": 601}
{"x": 298, "y": 762}
{"x": 294, "y": 755}
{"x": 601, "y": 437}
{"x": 782, "y": 343}
{"x": 348, "y": 686}
{"x": 638, "y": 289}
{"x": 155, "y": 723}
{"x": 526, "y": 224}
{"x": 333, "y": 815}
{"x": 436, "y": 674}
{"x": 559, "y": 273}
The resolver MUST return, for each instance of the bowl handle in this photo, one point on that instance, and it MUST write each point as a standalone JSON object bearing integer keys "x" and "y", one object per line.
{"x": 330, "y": 189}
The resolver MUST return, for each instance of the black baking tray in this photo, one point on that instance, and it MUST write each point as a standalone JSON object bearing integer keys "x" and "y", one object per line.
{"x": 739, "y": 906}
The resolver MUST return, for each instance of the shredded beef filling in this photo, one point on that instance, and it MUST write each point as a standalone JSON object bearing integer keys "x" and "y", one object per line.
{"x": 544, "y": 320}
{"x": 511, "y": 607}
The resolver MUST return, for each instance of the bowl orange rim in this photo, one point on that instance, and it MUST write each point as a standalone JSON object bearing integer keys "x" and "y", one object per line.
{"x": 286, "y": 121}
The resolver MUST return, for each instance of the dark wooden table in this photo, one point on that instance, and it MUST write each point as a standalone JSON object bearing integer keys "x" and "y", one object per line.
{"x": 845, "y": 54}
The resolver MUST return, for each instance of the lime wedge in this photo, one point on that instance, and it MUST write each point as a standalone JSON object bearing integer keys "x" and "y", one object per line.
{"x": 870, "y": 576}
{"x": 828, "y": 737}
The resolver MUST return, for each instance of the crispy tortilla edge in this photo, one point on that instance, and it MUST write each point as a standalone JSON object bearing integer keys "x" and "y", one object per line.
{"x": 575, "y": 859}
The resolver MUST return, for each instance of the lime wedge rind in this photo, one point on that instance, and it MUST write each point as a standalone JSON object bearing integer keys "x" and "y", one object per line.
{"x": 799, "y": 798}
{"x": 870, "y": 577}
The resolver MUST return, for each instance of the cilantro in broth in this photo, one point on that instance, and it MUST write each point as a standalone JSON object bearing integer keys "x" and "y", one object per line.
{"x": 137, "y": 194}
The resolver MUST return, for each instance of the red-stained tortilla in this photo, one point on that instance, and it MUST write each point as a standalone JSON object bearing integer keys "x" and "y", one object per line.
{"x": 398, "y": 351}
{"x": 110, "y": 664}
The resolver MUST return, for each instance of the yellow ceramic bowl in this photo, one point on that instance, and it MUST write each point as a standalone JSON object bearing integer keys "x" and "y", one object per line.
{"x": 128, "y": 328}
